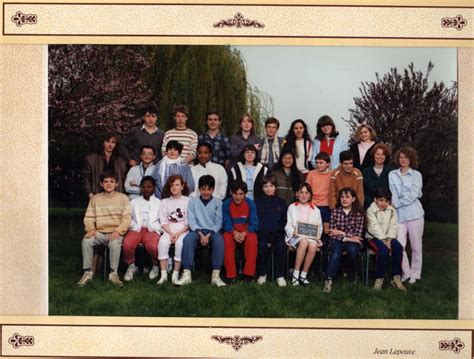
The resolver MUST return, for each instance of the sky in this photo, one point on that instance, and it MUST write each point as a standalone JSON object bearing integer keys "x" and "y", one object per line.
{"x": 309, "y": 82}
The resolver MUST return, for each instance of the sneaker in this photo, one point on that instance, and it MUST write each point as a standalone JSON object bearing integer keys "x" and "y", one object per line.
{"x": 86, "y": 278}
{"x": 262, "y": 279}
{"x": 154, "y": 272}
{"x": 248, "y": 278}
{"x": 327, "y": 286}
{"x": 397, "y": 283}
{"x": 131, "y": 270}
{"x": 378, "y": 284}
{"x": 412, "y": 281}
{"x": 281, "y": 282}
{"x": 185, "y": 278}
{"x": 295, "y": 281}
{"x": 217, "y": 281}
{"x": 175, "y": 277}
{"x": 114, "y": 278}
{"x": 163, "y": 278}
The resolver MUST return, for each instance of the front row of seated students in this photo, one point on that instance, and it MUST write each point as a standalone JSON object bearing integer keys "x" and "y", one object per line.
{"x": 109, "y": 216}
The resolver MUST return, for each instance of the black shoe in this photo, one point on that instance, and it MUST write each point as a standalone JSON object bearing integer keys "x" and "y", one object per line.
{"x": 354, "y": 279}
{"x": 231, "y": 281}
{"x": 248, "y": 278}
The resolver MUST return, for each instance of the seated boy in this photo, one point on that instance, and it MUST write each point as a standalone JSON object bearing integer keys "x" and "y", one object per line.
{"x": 106, "y": 221}
{"x": 145, "y": 228}
{"x": 170, "y": 165}
{"x": 382, "y": 231}
{"x": 136, "y": 173}
{"x": 271, "y": 212}
{"x": 205, "y": 222}
{"x": 346, "y": 176}
{"x": 240, "y": 222}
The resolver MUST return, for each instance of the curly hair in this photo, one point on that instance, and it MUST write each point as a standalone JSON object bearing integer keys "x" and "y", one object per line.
{"x": 410, "y": 152}
{"x": 170, "y": 181}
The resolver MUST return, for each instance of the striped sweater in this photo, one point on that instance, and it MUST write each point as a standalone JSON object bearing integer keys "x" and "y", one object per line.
{"x": 188, "y": 138}
{"x": 106, "y": 213}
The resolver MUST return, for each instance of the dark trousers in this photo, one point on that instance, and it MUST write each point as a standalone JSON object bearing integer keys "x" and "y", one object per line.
{"x": 277, "y": 240}
{"x": 381, "y": 258}
{"x": 337, "y": 247}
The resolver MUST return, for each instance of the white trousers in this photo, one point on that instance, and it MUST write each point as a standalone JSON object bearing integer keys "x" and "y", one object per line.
{"x": 164, "y": 246}
{"x": 413, "y": 230}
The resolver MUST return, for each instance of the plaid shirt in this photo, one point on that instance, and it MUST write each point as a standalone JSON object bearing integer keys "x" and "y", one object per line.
{"x": 220, "y": 147}
{"x": 352, "y": 225}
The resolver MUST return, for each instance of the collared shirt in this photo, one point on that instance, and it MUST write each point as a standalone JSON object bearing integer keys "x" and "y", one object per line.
{"x": 144, "y": 128}
{"x": 220, "y": 147}
{"x": 351, "y": 223}
{"x": 406, "y": 191}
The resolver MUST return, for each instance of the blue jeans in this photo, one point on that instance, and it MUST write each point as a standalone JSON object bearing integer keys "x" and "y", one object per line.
{"x": 337, "y": 247}
{"x": 190, "y": 243}
{"x": 382, "y": 257}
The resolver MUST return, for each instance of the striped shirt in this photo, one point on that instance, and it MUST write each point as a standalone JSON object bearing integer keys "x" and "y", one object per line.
{"x": 108, "y": 213}
{"x": 188, "y": 138}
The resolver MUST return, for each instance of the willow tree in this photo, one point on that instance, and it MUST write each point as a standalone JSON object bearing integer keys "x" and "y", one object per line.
{"x": 203, "y": 78}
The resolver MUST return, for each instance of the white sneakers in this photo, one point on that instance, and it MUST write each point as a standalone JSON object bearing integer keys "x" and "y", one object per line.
{"x": 86, "y": 278}
{"x": 154, "y": 272}
{"x": 281, "y": 282}
{"x": 131, "y": 270}
{"x": 163, "y": 277}
{"x": 262, "y": 279}
{"x": 175, "y": 277}
{"x": 185, "y": 278}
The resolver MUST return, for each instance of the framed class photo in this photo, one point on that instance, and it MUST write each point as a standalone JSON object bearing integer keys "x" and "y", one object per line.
{"x": 76, "y": 78}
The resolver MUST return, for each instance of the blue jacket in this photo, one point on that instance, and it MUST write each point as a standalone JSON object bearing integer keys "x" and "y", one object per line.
{"x": 228, "y": 220}
{"x": 340, "y": 144}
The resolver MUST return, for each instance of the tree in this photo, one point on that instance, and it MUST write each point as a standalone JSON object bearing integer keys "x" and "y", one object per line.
{"x": 404, "y": 110}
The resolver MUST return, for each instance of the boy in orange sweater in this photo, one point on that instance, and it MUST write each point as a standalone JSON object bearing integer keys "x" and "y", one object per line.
{"x": 346, "y": 176}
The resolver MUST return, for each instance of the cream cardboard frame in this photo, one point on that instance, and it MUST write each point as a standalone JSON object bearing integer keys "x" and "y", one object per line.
{"x": 23, "y": 220}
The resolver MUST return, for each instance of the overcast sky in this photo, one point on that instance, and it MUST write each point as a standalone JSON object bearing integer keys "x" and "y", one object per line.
{"x": 308, "y": 82}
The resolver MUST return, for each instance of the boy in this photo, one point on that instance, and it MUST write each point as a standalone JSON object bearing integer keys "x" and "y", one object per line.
{"x": 205, "y": 222}
{"x": 220, "y": 144}
{"x": 205, "y": 167}
{"x": 136, "y": 173}
{"x": 271, "y": 212}
{"x": 147, "y": 134}
{"x": 319, "y": 179}
{"x": 240, "y": 222}
{"x": 171, "y": 164}
{"x": 382, "y": 231}
{"x": 346, "y": 176}
{"x": 187, "y": 137}
{"x": 145, "y": 228}
{"x": 106, "y": 221}
{"x": 272, "y": 144}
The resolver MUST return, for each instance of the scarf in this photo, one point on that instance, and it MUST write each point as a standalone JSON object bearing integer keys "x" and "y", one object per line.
{"x": 264, "y": 155}
{"x": 165, "y": 163}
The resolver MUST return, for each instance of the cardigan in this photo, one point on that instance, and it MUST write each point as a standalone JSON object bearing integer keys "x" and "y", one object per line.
{"x": 238, "y": 173}
{"x": 137, "y": 220}
{"x": 340, "y": 144}
{"x": 293, "y": 216}
{"x": 93, "y": 168}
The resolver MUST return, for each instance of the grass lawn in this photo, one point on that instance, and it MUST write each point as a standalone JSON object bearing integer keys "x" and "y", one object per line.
{"x": 434, "y": 297}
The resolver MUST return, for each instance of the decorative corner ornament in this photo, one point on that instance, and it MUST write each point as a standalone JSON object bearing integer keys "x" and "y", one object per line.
{"x": 457, "y": 22}
{"x": 17, "y": 340}
{"x": 456, "y": 345}
{"x": 239, "y": 21}
{"x": 21, "y": 19}
{"x": 236, "y": 341}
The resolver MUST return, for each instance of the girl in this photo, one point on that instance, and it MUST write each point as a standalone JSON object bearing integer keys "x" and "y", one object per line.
{"x": 364, "y": 137}
{"x": 172, "y": 164}
{"x": 298, "y": 141}
{"x": 105, "y": 159}
{"x": 244, "y": 136}
{"x": 345, "y": 232}
{"x": 288, "y": 178}
{"x": 406, "y": 184}
{"x": 376, "y": 176}
{"x": 174, "y": 222}
{"x": 303, "y": 211}
{"x": 328, "y": 140}
{"x": 250, "y": 171}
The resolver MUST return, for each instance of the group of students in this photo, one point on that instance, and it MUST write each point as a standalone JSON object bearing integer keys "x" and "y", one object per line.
{"x": 349, "y": 194}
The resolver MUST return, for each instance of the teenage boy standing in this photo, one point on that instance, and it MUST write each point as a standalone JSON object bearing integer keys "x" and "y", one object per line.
{"x": 272, "y": 144}
{"x": 220, "y": 144}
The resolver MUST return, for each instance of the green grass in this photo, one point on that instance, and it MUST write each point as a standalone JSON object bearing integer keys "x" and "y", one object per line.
{"x": 434, "y": 297}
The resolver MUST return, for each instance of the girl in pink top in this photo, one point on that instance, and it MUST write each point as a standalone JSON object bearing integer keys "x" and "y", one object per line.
{"x": 174, "y": 222}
